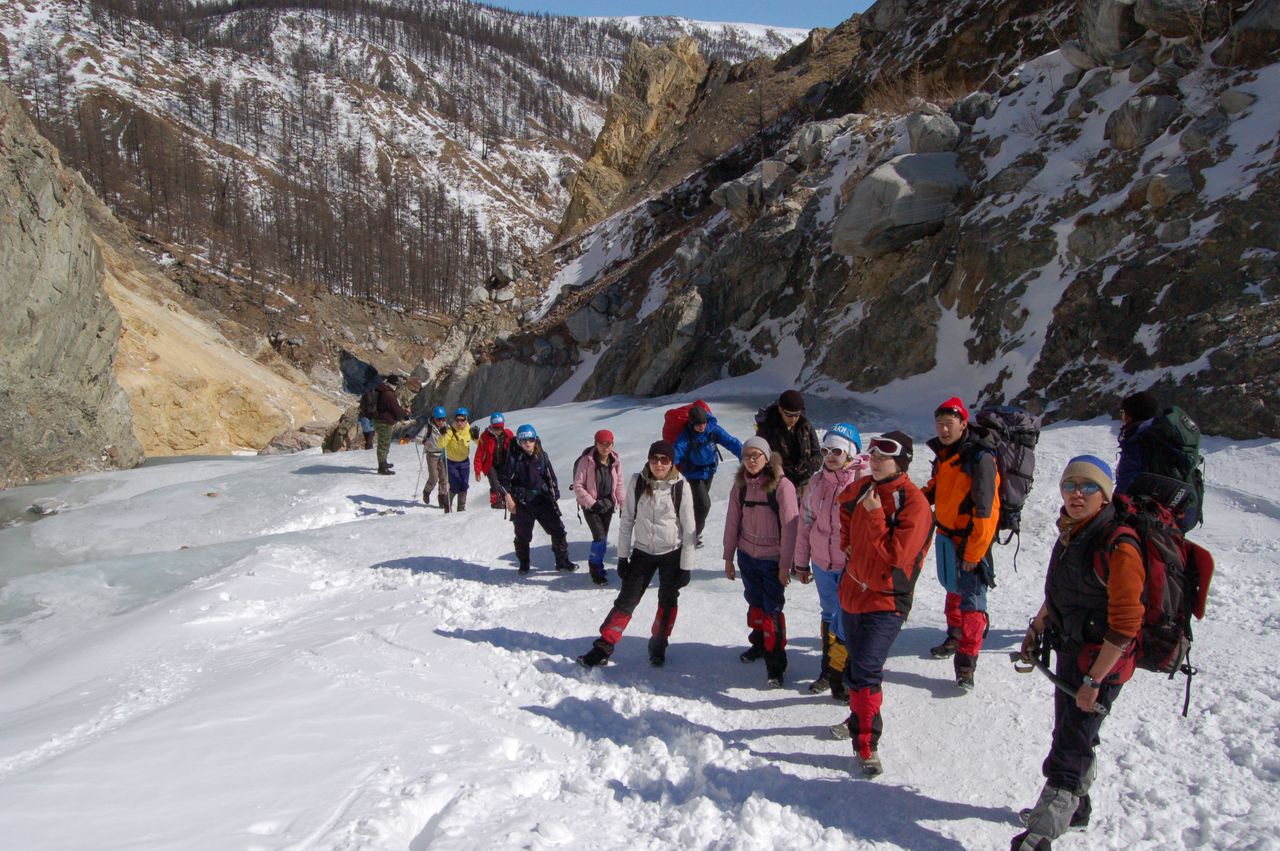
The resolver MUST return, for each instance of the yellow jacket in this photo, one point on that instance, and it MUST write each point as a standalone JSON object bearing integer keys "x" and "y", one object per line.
{"x": 456, "y": 444}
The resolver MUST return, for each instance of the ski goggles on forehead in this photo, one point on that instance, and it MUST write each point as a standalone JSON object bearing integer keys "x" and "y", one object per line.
{"x": 1084, "y": 488}
{"x": 885, "y": 446}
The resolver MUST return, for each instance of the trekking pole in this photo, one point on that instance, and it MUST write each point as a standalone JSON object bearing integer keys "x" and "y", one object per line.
{"x": 1023, "y": 666}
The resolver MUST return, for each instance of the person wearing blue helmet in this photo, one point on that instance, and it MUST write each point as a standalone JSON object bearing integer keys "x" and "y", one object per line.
{"x": 437, "y": 471}
{"x": 457, "y": 451}
{"x": 532, "y": 494}
{"x": 491, "y": 454}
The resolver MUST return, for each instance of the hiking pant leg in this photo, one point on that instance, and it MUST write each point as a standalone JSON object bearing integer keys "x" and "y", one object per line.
{"x": 459, "y": 476}
{"x": 828, "y": 582}
{"x": 384, "y": 442}
{"x": 523, "y": 521}
{"x": 1070, "y": 763}
{"x": 598, "y": 525}
{"x": 671, "y": 579}
{"x": 868, "y": 638}
{"x": 700, "y": 490}
{"x": 437, "y": 476}
{"x": 948, "y": 562}
{"x": 634, "y": 583}
{"x": 973, "y": 612}
{"x": 548, "y": 514}
{"x": 495, "y": 495}
{"x": 760, "y": 583}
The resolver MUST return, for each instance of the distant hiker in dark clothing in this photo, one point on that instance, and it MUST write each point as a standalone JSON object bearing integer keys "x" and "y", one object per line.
{"x": 784, "y": 427}
{"x": 368, "y": 410}
{"x": 531, "y": 492}
{"x": 437, "y": 470}
{"x": 761, "y": 527}
{"x": 886, "y": 524}
{"x": 1091, "y": 625}
{"x": 491, "y": 453}
{"x": 597, "y": 485}
{"x": 965, "y": 492}
{"x": 389, "y": 412}
{"x": 698, "y": 459}
{"x": 1138, "y": 412}
{"x": 655, "y": 535}
{"x": 457, "y": 452}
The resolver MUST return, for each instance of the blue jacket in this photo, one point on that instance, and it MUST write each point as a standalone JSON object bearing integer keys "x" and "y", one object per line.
{"x": 1133, "y": 459}
{"x": 696, "y": 455}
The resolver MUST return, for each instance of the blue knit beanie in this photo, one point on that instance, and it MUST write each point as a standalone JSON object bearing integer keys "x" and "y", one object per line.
{"x": 1093, "y": 469}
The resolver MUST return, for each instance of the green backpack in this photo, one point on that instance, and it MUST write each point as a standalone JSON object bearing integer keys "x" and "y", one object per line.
{"x": 1171, "y": 447}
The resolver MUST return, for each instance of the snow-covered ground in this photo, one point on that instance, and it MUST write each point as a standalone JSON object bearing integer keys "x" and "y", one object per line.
{"x": 292, "y": 652}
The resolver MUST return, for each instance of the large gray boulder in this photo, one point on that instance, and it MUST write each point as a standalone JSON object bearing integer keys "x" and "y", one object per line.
{"x": 747, "y": 196}
{"x": 1254, "y": 40}
{"x": 1140, "y": 120}
{"x": 1107, "y": 27}
{"x": 897, "y": 203}
{"x": 1171, "y": 18}
{"x": 61, "y": 410}
{"x": 931, "y": 133}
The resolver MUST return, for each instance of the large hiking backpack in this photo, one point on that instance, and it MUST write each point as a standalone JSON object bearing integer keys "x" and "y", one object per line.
{"x": 1015, "y": 433}
{"x": 1176, "y": 586}
{"x": 675, "y": 419}
{"x": 1171, "y": 447}
{"x": 369, "y": 403}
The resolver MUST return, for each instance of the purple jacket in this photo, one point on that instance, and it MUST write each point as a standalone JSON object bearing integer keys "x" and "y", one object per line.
{"x": 754, "y": 528}
{"x": 818, "y": 540}
{"x": 584, "y": 479}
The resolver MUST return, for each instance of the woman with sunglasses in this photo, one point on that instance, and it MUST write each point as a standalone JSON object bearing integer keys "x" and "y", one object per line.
{"x": 818, "y": 541}
{"x": 655, "y": 535}
{"x": 532, "y": 493}
{"x": 886, "y": 522}
{"x": 761, "y": 528}
{"x": 457, "y": 450}
{"x": 1090, "y": 616}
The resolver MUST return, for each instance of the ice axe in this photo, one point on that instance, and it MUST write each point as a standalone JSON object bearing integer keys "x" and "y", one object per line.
{"x": 1034, "y": 662}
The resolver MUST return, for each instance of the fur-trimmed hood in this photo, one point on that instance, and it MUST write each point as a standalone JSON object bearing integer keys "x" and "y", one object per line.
{"x": 772, "y": 473}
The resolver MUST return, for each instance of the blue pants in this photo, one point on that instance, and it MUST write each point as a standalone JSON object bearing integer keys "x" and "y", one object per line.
{"x": 968, "y": 584}
{"x": 760, "y": 583}
{"x": 459, "y": 476}
{"x": 828, "y": 582}
{"x": 868, "y": 637}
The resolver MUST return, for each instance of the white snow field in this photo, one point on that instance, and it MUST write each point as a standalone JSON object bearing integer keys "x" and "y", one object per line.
{"x": 292, "y": 652}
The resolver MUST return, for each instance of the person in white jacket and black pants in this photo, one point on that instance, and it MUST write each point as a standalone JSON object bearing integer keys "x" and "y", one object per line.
{"x": 655, "y": 535}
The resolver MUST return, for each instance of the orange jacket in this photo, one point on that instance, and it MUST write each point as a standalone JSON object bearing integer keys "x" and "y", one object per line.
{"x": 965, "y": 492}
{"x": 885, "y": 547}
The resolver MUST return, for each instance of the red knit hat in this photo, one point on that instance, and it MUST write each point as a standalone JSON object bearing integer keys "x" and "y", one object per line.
{"x": 604, "y": 436}
{"x": 954, "y": 405}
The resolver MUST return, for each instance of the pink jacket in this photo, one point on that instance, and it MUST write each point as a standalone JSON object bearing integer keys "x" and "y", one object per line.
{"x": 584, "y": 479}
{"x": 754, "y": 528}
{"x": 818, "y": 540}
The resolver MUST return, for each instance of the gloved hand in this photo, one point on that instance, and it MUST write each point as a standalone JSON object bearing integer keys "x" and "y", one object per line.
{"x": 624, "y": 567}
{"x": 1031, "y": 640}
{"x": 475, "y": 432}
{"x": 603, "y": 505}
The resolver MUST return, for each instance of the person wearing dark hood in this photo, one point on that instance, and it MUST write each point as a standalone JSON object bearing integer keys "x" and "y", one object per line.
{"x": 784, "y": 427}
{"x": 655, "y": 535}
{"x": 389, "y": 412}
{"x": 965, "y": 493}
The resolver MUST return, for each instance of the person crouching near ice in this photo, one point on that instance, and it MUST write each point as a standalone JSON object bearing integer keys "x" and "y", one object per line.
{"x": 531, "y": 493}
{"x": 761, "y": 529}
{"x": 887, "y": 525}
{"x": 819, "y": 541}
{"x": 655, "y": 535}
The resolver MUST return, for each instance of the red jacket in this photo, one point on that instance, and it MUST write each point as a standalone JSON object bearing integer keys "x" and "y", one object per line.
{"x": 486, "y": 450}
{"x": 886, "y": 547}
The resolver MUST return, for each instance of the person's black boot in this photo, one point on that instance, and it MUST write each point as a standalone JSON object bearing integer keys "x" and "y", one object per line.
{"x": 965, "y": 666}
{"x": 462, "y": 500}
{"x": 948, "y": 647}
{"x": 823, "y": 682}
{"x": 444, "y": 502}
{"x": 775, "y": 664}
{"x": 522, "y": 556}
{"x": 593, "y": 658}
{"x": 657, "y": 651}
{"x": 560, "y": 548}
{"x": 598, "y": 575}
{"x": 756, "y": 650}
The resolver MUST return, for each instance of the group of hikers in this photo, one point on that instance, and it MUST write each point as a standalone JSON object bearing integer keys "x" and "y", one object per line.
{"x": 851, "y": 521}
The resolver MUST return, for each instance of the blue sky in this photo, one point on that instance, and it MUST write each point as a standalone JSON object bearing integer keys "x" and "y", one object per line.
{"x": 797, "y": 13}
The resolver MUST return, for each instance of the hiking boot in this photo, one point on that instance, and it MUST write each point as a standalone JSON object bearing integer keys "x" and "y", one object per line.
{"x": 598, "y": 575}
{"x": 839, "y": 692}
{"x": 386, "y": 471}
{"x": 820, "y": 685}
{"x": 442, "y": 499}
{"x": 566, "y": 566}
{"x": 752, "y": 653}
{"x": 965, "y": 666}
{"x": 390, "y": 465}
{"x": 871, "y": 766}
{"x": 841, "y": 730}
{"x": 1028, "y": 841}
{"x": 1079, "y": 819}
{"x": 964, "y": 682}
{"x": 697, "y": 542}
{"x": 948, "y": 647}
{"x": 426, "y": 496}
{"x": 773, "y": 682}
{"x": 462, "y": 501}
{"x": 658, "y": 659}
{"x": 593, "y": 658}
{"x": 524, "y": 568}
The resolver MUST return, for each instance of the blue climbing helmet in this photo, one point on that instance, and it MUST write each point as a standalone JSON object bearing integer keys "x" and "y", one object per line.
{"x": 843, "y": 436}
{"x": 496, "y": 418}
{"x": 526, "y": 432}
{"x": 462, "y": 412}
{"x": 439, "y": 413}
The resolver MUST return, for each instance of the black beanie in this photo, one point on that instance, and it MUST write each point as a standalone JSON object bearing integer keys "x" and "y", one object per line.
{"x": 662, "y": 447}
{"x": 1141, "y": 406}
{"x": 908, "y": 448}
{"x": 697, "y": 415}
{"x": 791, "y": 401}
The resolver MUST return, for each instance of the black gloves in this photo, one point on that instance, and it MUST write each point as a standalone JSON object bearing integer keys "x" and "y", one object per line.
{"x": 603, "y": 505}
{"x": 624, "y": 567}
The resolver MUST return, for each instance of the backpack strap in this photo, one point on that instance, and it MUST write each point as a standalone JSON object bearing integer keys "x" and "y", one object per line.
{"x": 772, "y": 502}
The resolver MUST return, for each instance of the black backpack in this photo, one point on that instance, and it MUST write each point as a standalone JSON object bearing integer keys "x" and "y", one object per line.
{"x": 369, "y": 403}
{"x": 1014, "y": 433}
{"x": 1171, "y": 448}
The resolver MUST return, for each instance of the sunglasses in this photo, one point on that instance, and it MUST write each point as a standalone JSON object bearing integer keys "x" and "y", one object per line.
{"x": 527, "y": 440}
{"x": 1084, "y": 488}
{"x": 885, "y": 447}
{"x": 832, "y": 450}
{"x": 791, "y": 415}
{"x": 497, "y": 427}
{"x": 659, "y": 459}
{"x": 753, "y": 456}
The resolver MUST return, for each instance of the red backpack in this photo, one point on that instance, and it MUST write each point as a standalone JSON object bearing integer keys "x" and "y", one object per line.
{"x": 1176, "y": 587}
{"x": 676, "y": 419}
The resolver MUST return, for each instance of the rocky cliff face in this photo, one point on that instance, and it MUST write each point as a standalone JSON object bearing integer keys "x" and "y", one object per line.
{"x": 61, "y": 410}
{"x": 1090, "y": 221}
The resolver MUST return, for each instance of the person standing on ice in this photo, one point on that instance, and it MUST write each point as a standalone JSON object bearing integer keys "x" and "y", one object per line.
{"x": 597, "y": 485}
{"x": 1093, "y": 625}
{"x": 760, "y": 529}
{"x": 456, "y": 443}
{"x": 437, "y": 471}
{"x": 531, "y": 492}
{"x": 698, "y": 459}
{"x": 491, "y": 454}
{"x": 818, "y": 541}
{"x": 965, "y": 492}
{"x": 784, "y": 426}
{"x": 389, "y": 412}
{"x": 655, "y": 535}
{"x": 886, "y": 523}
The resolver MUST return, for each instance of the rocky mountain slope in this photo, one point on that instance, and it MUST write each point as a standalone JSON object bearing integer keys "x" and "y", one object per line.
{"x": 1090, "y": 219}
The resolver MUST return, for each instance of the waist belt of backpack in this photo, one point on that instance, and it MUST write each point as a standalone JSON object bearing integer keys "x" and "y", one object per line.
{"x": 955, "y": 533}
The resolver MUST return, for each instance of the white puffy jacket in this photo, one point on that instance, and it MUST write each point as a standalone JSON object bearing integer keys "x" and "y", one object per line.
{"x": 652, "y": 526}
